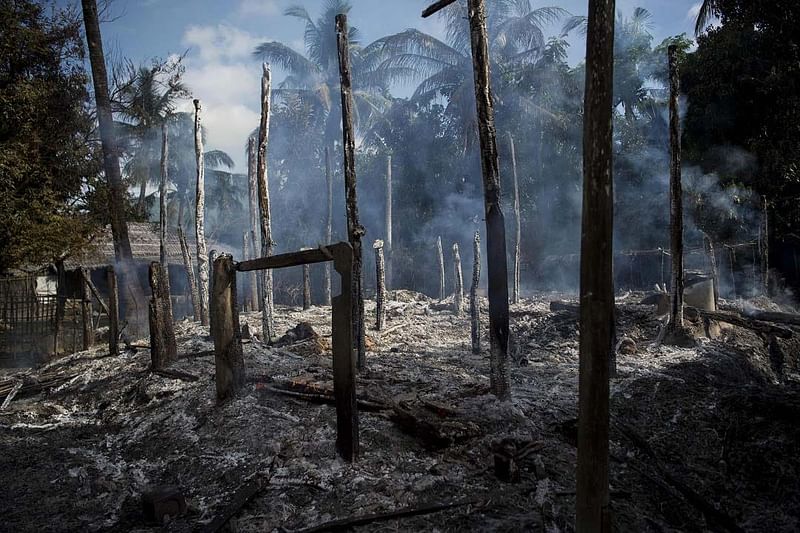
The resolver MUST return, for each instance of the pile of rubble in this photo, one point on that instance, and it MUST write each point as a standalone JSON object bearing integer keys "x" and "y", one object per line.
{"x": 702, "y": 437}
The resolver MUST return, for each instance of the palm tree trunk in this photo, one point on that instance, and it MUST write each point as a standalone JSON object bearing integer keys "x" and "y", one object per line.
{"x": 597, "y": 283}
{"x": 199, "y": 217}
{"x": 354, "y": 229}
{"x": 518, "y": 223}
{"x": 328, "y": 222}
{"x": 676, "y": 195}
{"x": 119, "y": 226}
{"x": 495, "y": 225}
{"x": 267, "y": 307}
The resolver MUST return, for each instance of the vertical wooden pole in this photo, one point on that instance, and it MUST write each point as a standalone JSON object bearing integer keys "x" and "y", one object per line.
{"x": 158, "y": 345}
{"x": 267, "y": 308}
{"x": 458, "y": 282}
{"x": 113, "y": 311}
{"x": 199, "y": 217}
{"x": 306, "y": 284}
{"x": 169, "y": 328}
{"x": 344, "y": 383}
{"x": 388, "y": 243}
{"x": 474, "y": 302}
{"x": 189, "y": 267}
{"x": 228, "y": 359}
{"x": 518, "y": 225}
{"x": 712, "y": 263}
{"x": 61, "y": 302}
{"x": 247, "y": 304}
{"x": 496, "y": 259}
{"x": 354, "y": 229}
{"x": 440, "y": 256}
{"x": 597, "y": 282}
{"x": 252, "y": 182}
{"x": 764, "y": 246}
{"x": 328, "y": 222}
{"x": 380, "y": 293}
{"x": 676, "y": 194}
{"x": 86, "y": 311}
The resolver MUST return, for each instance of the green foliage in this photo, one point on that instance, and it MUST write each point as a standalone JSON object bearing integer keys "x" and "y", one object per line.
{"x": 48, "y": 167}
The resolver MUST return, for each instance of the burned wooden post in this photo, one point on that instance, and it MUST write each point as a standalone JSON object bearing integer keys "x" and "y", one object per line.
{"x": 252, "y": 188}
{"x": 597, "y": 282}
{"x": 763, "y": 245}
{"x": 517, "y": 224}
{"x": 86, "y": 310}
{"x": 458, "y": 282}
{"x": 328, "y": 222}
{"x": 162, "y": 219}
{"x": 676, "y": 196}
{"x": 199, "y": 216}
{"x": 354, "y": 229}
{"x": 712, "y": 263}
{"x": 344, "y": 357}
{"x": 344, "y": 353}
{"x": 228, "y": 358}
{"x": 113, "y": 311}
{"x": 189, "y": 267}
{"x": 388, "y": 242}
{"x": 248, "y": 304}
{"x": 440, "y": 254}
{"x": 474, "y": 302}
{"x": 61, "y": 301}
{"x": 306, "y": 284}
{"x": 380, "y": 292}
{"x": 267, "y": 307}
{"x": 163, "y": 349}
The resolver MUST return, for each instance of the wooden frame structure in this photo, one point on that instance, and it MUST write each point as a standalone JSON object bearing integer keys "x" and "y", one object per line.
{"x": 227, "y": 339}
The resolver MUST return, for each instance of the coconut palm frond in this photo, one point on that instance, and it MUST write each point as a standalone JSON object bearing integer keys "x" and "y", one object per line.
{"x": 287, "y": 58}
{"x": 708, "y": 10}
{"x": 218, "y": 158}
{"x": 575, "y": 22}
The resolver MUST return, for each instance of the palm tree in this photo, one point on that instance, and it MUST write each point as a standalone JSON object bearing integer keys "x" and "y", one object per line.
{"x": 708, "y": 10}
{"x": 444, "y": 69}
{"x": 145, "y": 98}
{"x": 314, "y": 77}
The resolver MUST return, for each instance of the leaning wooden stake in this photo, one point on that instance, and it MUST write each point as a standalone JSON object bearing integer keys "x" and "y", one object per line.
{"x": 228, "y": 359}
{"x": 199, "y": 216}
{"x": 440, "y": 256}
{"x": 495, "y": 224}
{"x": 380, "y": 292}
{"x": 354, "y": 229}
{"x": 458, "y": 282}
{"x": 328, "y": 222}
{"x": 474, "y": 302}
{"x": 597, "y": 284}
{"x": 189, "y": 267}
{"x": 113, "y": 311}
{"x": 86, "y": 310}
{"x": 676, "y": 196}
{"x": 518, "y": 224}
{"x": 267, "y": 308}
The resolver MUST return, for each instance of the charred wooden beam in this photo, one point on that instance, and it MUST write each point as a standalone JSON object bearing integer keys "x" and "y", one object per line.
{"x": 199, "y": 217}
{"x": 163, "y": 348}
{"x": 440, "y": 256}
{"x": 267, "y": 304}
{"x": 189, "y": 268}
{"x": 303, "y": 257}
{"x": 328, "y": 222}
{"x": 228, "y": 358}
{"x": 86, "y": 310}
{"x": 474, "y": 302}
{"x": 380, "y": 291}
{"x": 676, "y": 194}
{"x": 458, "y": 282}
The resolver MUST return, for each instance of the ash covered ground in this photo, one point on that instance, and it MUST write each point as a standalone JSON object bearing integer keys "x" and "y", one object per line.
{"x": 702, "y": 438}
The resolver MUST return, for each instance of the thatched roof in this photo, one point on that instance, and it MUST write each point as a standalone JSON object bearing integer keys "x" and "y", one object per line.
{"x": 144, "y": 246}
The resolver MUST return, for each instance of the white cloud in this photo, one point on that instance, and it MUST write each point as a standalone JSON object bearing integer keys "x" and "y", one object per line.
{"x": 220, "y": 42}
{"x": 258, "y": 8}
{"x": 222, "y": 73}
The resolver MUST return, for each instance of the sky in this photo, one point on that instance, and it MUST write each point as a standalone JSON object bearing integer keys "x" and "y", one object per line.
{"x": 218, "y": 37}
